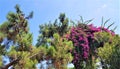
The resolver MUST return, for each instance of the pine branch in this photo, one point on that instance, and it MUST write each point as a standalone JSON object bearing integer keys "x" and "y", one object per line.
{"x": 11, "y": 63}
{"x": 35, "y": 55}
{"x": 16, "y": 61}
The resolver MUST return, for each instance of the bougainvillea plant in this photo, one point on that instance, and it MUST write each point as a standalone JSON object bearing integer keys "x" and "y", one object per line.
{"x": 84, "y": 41}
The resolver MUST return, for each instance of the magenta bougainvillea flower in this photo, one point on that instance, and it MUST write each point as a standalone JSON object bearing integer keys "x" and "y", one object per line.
{"x": 83, "y": 38}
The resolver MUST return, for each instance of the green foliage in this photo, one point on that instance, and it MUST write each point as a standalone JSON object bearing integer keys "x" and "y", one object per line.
{"x": 0, "y": 61}
{"x": 47, "y": 30}
{"x": 25, "y": 60}
{"x": 110, "y": 52}
{"x": 25, "y": 43}
{"x": 12, "y": 17}
{"x": 16, "y": 30}
{"x": 103, "y": 36}
{"x": 39, "y": 53}
{"x": 59, "y": 52}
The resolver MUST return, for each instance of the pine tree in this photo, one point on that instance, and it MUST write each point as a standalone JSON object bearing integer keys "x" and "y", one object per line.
{"x": 52, "y": 38}
{"x": 47, "y": 30}
{"x": 16, "y": 41}
{"x": 59, "y": 53}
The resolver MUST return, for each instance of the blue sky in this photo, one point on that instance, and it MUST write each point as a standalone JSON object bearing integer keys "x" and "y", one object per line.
{"x": 49, "y": 10}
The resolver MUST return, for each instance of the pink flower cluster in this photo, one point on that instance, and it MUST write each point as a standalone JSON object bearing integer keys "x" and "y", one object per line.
{"x": 83, "y": 39}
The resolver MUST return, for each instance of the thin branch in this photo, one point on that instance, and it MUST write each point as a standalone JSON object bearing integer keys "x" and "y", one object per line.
{"x": 11, "y": 63}
{"x": 16, "y": 61}
{"x": 34, "y": 55}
